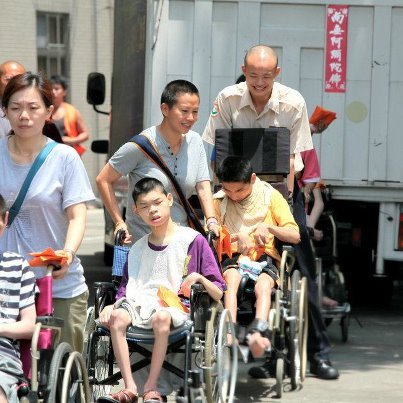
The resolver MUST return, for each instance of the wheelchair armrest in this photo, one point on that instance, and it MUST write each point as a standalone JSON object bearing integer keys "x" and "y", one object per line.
{"x": 104, "y": 295}
{"x": 50, "y": 321}
{"x": 200, "y": 302}
{"x": 241, "y": 288}
{"x": 197, "y": 287}
{"x": 105, "y": 286}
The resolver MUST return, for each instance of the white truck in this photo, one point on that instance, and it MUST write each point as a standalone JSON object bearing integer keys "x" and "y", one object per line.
{"x": 360, "y": 154}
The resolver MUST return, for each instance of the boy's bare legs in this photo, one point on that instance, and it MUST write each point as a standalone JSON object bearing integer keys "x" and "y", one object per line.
{"x": 264, "y": 284}
{"x": 161, "y": 324}
{"x": 232, "y": 278}
{"x": 118, "y": 323}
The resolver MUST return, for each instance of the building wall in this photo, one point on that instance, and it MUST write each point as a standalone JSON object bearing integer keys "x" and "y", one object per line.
{"x": 91, "y": 49}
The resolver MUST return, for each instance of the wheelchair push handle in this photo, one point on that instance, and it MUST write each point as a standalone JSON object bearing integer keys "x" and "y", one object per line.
{"x": 211, "y": 236}
{"x": 50, "y": 268}
{"x": 120, "y": 237}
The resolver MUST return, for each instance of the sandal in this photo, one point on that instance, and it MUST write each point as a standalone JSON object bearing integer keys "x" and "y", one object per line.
{"x": 152, "y": 396}
{"x": 123, "y": 396}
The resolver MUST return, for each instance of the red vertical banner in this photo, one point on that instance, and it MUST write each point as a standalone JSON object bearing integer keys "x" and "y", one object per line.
{"x": 336, "y": 48}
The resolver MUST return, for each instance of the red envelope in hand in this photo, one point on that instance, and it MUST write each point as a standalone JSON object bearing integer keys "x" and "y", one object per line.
{"x": 224, "y": 243}
{"x": 47, "y": 256}
{"x": 322, "y": 114}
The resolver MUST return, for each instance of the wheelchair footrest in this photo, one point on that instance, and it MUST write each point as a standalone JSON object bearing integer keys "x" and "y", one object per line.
{"x": 261, "y": 326}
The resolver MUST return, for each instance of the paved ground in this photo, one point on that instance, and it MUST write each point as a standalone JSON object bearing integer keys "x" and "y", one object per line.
{"x": 370, "y": 363}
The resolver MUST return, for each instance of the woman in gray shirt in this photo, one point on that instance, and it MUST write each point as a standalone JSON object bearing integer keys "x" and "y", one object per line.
{"x": 182, "y": 151}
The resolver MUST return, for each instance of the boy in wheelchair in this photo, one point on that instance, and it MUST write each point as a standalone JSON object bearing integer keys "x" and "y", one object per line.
{"x": 170, "y": 256}
{"x": 17, "y": 314}
{"x": 254, "y": 213}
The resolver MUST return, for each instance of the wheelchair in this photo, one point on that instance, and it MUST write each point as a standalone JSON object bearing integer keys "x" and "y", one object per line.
{"x": 330, "y": 278}
{"x": 54, "y": 372}
{"x": 287, "y": 322}
{"x": 201, "y": 341}
{"x": 268, "y": 150}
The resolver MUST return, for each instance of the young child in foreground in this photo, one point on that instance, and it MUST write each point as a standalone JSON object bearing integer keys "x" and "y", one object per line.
{"x": 17, "y": 313}
{"x": 254, "y": 213}
{"x": 171, "y": 256}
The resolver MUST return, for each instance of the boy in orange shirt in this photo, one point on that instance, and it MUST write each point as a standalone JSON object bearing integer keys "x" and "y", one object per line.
{"x": 254, "y": 213}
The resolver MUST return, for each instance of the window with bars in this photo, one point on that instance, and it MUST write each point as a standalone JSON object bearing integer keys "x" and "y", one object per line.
{"x": 52, "y": 37}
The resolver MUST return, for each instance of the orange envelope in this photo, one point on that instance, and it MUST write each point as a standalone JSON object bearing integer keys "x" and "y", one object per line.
{"x": 169, "y": 298}
{"x": 322, "y": 114}
{"x": 46, "y": 256}
{"x": 224, "y": 243}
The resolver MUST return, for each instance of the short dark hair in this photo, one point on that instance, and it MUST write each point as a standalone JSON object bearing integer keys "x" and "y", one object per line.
{"x": 234, "y": 169}
{"x": 174, "y": 88}
{"x": 61, "y": 80}
{"x": 3, "y": 207}
{"x": 146, "y": 185}
{"x": 27, "y": 80}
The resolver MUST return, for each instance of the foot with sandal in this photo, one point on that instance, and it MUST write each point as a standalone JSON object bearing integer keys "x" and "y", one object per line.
{"x": 123, "y": 396}
{"x": 127, "y": 396}
{"x": 258, "y": 337}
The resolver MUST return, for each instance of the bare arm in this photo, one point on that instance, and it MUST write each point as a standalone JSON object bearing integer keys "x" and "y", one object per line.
{"x": 24, "y": 328}
{"x": 317, "y": 208}
{"x": 308, "y": 188}
{"x": 284, "y": 234}
{"x": 194, "y": 278}
{"x": 291, "y": 175}
{"x": 105, "y": 180}
{"x": 203, "y": 190}
{"x": 283, "y": 227}
{"x": 76, "y": 216}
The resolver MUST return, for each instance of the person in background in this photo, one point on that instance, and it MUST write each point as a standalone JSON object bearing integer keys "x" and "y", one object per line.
{"x": 8, "y": 70}
{"x": 171, "y": 256}
{"x": 180, "y": 148}
{"x": 17, "y": 313}
{"x": 312, "y": 188}
{"x": 53, "y": 213}
{"x": 66, "y": 117}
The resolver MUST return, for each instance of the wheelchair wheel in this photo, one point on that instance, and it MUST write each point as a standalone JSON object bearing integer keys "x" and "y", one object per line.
{"x": 296, "y": 330}
{"x": 100, "y": 362}
{"x": 88, "y": 329}
{"x": 303, "y": 325}
{"x": 227, "y": 359}
{"x": 56, "y": 373}
{"x": 75, "y": 380}
{"x": 220, "y": 369}
{"x": 278, "y": 387}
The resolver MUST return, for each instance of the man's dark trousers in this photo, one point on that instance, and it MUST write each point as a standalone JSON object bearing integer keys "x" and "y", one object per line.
{"x": 318, "y": 340}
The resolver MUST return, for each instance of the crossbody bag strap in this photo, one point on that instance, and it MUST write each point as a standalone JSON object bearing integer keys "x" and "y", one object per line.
{"x": 149, "y": 149}
{"x": 39, "y": 160}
